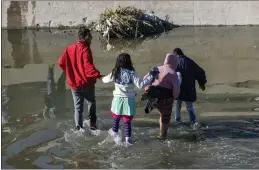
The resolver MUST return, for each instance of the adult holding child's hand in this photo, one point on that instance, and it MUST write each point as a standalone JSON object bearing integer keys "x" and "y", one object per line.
{"x": 81, "y": 74}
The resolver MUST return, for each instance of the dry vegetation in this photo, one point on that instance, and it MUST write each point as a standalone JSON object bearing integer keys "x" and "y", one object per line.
{"x": 130, "y": 22}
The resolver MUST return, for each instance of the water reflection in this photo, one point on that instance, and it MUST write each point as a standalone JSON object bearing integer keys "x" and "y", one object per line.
{"x": 55, "y": 99}
{"x": 118, "y": 45}
{"x": 24, "y": 50}
{"x": 19, "y": 39}
{"x": 20, "y": 45}
{"x": 23, "y": 102}
{"x": 35, "y": 51}
{"x": 4, "y": 104}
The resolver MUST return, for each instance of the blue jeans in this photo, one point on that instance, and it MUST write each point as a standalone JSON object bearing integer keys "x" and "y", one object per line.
{"x": 190, "y": 109}
{"x": 79, "y": 96}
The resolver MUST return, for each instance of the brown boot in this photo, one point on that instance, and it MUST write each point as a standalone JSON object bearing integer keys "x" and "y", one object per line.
{"x": 163, "y": 129}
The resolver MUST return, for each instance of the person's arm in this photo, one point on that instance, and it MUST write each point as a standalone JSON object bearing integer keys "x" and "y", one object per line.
{"x": 108, "y": 78}
{"x": 89, "y": 67}
{"x": 200, "y": 76}
{"x": 176, "y": 86}
{"x": 62, "y": 59}
{"x": 179, "y": 78}
{"x": 147, "y": 87}
{"x": 141, "y": 83}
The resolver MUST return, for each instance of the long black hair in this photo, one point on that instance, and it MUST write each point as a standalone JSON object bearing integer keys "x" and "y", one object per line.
{"x": 123, "y": 61}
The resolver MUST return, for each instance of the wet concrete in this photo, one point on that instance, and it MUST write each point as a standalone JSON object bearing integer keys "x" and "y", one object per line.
{"x": 227, "y": 109}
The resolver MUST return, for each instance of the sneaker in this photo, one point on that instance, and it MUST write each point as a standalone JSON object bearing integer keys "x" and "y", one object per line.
{"x": 128, "y": 141}
{"x": 93, "y": 126}
{"x": 151, "y": 103}
{"x": 196, "y": 125}
{"x": 148, "y": 109}
{"x": 114, "y": 134}
{"x": 77, "y": 127}
{"x": 116, "y": 137}
{"x": 179, "y": 123}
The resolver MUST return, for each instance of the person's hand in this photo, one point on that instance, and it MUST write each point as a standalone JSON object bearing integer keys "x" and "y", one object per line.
{"x": 202, "y": 87}
{"x": 154, "y": 72}
{"x": 101, "y": 76}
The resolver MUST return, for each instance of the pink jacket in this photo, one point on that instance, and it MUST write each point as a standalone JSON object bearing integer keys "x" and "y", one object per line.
{"x": 167, "y": 77}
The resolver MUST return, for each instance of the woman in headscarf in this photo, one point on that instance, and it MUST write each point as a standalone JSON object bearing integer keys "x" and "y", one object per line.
{"x": 165, "y": 89}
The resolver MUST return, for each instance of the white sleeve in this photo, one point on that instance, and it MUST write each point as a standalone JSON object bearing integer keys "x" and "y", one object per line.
{"x": 179, "y": 78}
{"x": 141, "y": 83}
{"x": 108, "y": 78}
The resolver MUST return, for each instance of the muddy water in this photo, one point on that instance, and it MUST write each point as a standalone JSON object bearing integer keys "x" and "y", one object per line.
{"x": 228, "y": 109}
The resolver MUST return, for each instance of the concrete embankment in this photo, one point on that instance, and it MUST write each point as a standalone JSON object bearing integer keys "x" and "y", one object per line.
{"x": 20, "y": 14}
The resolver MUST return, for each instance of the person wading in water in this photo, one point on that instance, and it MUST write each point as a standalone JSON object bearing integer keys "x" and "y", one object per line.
{"x": 81, "y": 75}
{"x": 190, "y": 71}
{"x": 165, "y": 89}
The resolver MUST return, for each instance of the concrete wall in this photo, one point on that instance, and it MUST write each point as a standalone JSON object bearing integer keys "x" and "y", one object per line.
{"x": 17, "y": 14}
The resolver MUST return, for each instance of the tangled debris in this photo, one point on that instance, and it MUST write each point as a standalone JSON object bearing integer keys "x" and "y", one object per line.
{"x": 130, "y": 22}
{"x": 116, "y": 44}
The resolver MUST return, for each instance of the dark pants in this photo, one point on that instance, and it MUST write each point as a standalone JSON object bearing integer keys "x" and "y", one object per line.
{"x": 165, "y": 109}
{"x": 190, "y": 109}
{"x": 78, "y": 97}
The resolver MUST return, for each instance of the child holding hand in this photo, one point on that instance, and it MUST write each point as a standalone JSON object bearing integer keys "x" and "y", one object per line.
{"x": 123, "y": 104}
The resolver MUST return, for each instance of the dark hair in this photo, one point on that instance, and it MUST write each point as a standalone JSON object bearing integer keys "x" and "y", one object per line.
{"x": 123, "y": 61}
{"x": 83, "y": 32}
{"x": 178, "y": 51}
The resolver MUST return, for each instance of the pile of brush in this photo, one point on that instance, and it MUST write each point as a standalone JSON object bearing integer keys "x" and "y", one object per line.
{"x": 130, "y": 22}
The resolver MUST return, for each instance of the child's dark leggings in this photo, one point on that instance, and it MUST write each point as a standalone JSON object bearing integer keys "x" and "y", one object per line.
{"x": 127, "y": 123}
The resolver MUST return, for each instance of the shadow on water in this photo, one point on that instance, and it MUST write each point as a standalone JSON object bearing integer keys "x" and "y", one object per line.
{"x": 246, "y": 84}
{"x": 242, "y": 129}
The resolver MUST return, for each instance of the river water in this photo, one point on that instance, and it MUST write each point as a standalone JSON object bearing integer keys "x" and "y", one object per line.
{"x": 228, "y": 110}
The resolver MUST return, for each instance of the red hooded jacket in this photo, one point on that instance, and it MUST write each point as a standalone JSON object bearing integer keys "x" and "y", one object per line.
{"x": 77, "y": 62}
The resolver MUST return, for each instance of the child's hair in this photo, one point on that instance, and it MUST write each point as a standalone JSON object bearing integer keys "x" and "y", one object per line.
{"x": 123, "y": 61}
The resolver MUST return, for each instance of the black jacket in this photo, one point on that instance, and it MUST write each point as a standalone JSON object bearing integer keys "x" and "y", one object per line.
{"x": 190, "y": 72}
